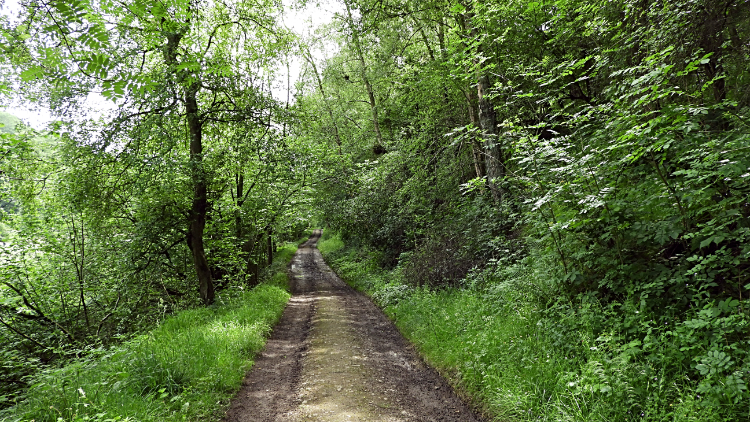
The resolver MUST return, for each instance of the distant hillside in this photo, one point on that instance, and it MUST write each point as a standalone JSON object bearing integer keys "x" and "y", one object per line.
{"x": 9, "y": 121}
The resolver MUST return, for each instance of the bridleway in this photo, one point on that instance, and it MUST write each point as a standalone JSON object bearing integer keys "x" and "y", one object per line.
{"x": 334, "y": 356}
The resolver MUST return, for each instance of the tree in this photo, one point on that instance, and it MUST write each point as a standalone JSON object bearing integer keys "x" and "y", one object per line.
{"x": 186, "y": 61}
{"x": 355, "y": 33}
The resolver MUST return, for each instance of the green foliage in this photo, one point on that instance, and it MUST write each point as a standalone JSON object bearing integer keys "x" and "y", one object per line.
{"x": 97, "y": 212}
{"x": 8, "y": 122}
{"x": 622, "y": 129}
{"x": 186, "y": 369}
{"x": 614, "y": 237}
{"x": 330, "y": 243}
{"x": 277, "y": 272}
{"x": 522, "y": 360}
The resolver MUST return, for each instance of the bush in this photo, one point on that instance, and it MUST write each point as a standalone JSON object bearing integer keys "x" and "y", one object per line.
{"x": 523, "y": 353}
{"x": 186, "y": 369}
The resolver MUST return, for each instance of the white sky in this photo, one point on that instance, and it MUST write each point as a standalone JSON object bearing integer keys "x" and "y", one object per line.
{"x": 303, "y": 22}
{"x": 35, "y": 118}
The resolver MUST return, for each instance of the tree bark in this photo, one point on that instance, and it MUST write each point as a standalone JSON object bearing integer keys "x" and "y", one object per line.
{"x": 476, "y": 151}
{"x": 488, "y": 123}
{"x": 240, "y": 179}
{"x": 310, "y": 60}
{"x": 494, "y": 160}
{"x": 200, "y": 197}
{"x": 199, "y": 206}
{"x": 79, "y": 268}
{"x": 363, "y": 74}
{"x": 269, "y": 246}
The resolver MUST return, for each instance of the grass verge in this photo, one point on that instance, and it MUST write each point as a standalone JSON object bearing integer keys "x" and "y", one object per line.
{"x": 187, "y": 369}
{"x": 519, "y": 359}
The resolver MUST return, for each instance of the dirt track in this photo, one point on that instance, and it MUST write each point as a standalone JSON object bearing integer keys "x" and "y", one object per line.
{"x": 335, "y": 357}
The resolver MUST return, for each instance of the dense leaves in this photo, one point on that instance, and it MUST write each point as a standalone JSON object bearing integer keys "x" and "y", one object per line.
{"x": 603, "y": 143}
{"x": 180, "y": 185}
{"x": 596, "y": 150}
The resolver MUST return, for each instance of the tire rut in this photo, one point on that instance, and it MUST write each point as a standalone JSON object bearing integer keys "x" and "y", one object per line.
{"x": 334, "y": 356}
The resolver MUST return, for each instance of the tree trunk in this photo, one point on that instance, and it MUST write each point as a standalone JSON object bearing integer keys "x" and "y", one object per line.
{"x": 363, "y": 74}
{"x": 310, "y": 60}
{"x": 269, "y": 246}
{"x": 240, "y": 179}
{"x": 199, "y": 207}
{"x": 488, "y": 123}
{"x": 200, "y": 198}
{"x": 79, "y": 267}
{"x": 712, "y": 24}
{"x": 424, "y": 38}
{"x": 476, "y": 151}
{"x": 494, "y": 161}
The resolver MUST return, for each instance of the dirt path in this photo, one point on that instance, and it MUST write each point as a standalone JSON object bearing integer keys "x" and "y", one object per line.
{"x": 335, "y": 357}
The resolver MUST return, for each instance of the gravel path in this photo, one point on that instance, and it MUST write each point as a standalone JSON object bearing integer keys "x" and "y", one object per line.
{"x": 335, "y": 357}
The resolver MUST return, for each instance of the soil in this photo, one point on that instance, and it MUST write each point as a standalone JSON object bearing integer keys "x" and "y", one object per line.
{"x": 334, "y": 356}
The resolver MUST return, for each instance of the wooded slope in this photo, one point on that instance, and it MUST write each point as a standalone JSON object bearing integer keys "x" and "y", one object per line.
{"x": 595, "y": 151}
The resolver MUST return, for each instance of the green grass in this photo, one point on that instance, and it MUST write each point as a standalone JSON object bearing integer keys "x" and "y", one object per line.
{"x": 518, "y": 361}
{"x": 511, "y": 359}
{"x": 186, "y": 369}
{"x": 330, "y": 243}
{"x": 276, "y": 273}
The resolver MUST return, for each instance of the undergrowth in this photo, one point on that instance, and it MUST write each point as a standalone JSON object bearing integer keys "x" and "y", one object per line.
{"x": 186, "y": 369}
{"x": 523, "y": 355}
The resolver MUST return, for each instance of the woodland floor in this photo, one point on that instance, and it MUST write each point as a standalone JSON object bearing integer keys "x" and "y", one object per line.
{"x": 334, "y": 357}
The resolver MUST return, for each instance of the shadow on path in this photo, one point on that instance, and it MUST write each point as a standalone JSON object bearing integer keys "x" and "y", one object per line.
{"x": 334, "y": 357}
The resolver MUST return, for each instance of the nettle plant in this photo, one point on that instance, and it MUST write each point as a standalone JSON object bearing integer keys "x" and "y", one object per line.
{"x": 716, "y": 336}
{"x": 642, "y": 196}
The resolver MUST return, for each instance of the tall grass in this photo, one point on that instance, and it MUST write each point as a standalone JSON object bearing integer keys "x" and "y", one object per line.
{"x": 330, "y": 243}
{"x": 519, "y": 360}
{"x": 186, "y": 369}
